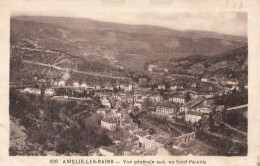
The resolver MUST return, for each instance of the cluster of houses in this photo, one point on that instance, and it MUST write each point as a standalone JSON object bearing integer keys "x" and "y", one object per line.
{"x": 175, "y": 106}
{"x": 107, "y": 86}
{"x": 138, "y": 142}
{"x": 172, "y": 102}
{"x": 170, "y": 106}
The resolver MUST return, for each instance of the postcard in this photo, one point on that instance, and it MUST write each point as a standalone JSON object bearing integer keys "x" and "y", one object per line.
{"x": 128, "y": 82}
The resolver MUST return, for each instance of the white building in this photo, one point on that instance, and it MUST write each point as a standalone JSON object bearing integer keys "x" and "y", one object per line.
{"x": 109, "y": 123}
{"x": 32, "y": 91}
{"x": 152, "y": 67}
{"x": 166, "y": 110}
{"x": 98, "y": 87}
{"x": 191, "y": 104}
{"x": 177, "y": 99}
{"x": 128, "y": 88}
{"x": 102, "y": 111}
{"x": 42, "y": 80}
{"x": 204, "y": 80}
{"x": 184, "y": 109}
{"x": 192, "y": 116}
{"x": 148, "y": 141}
{"x": 205, "y": 110}
{"x": 151, "y": 143}
{"x": 84, "y": 85}
{"x": 193, "y": 85}
{"x": 161, "y": 86}
{"x": 174, "y": 87}
{"x": 232, "y": 83}
{"x": 62, "y": 83}
{"x": 138, "y": 104}
{"x": 106, "y": 102}
{"x": 157, "y": 98}
{"x": 166, "y": 70}
{"x": 76, "y": 84}
{"x": 49, "y": 91}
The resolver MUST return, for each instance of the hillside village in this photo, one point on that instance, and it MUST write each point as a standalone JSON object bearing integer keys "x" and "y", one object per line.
{"x": 63, "y": 104}
{"x": 138, "y": 118}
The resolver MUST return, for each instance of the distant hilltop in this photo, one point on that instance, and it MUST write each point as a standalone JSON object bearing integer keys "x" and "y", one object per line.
{"x": 119, "y": 44}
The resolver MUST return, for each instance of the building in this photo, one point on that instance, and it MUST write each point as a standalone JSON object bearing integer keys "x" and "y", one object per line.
{"x": 143, "y": 81}
{"x": 139, "y": 99}
{"x": 76, "y": 84}
{"x": 62, "y": 83}
{"x": 192, "y": 116}
{"x": 177, "y": 99}
{"x": 157, "y": 98}
{"x": 206, "y": 106}
{"x": 32, "y": 91}
{"x": 166, "y": 70}
{"x": 98, "y": 87}
{"x": 141, "y": 137}
{"x": 91, "y": 87}
{"x": 109, "y": 123}
{"x": 193, "y": 85}
{"x": 161, "y": 86}
{"x": 191, "y": 104}
{"x": 102, "y": 111}
{"x": 84, "y": 85}
{"x": 49, "y": 91}
{"x": 232, "y": 82}
{"x": 42, "y": 80}
{"x": 173, "y": 87}
{"x": 204, "y": 80}
{"x": 152, "y": 67}
{"x": 116, "y": 113}
{"x": 138, "y": 105}
{"x": 129, "y": 87}
{"x": 166, "y": 109}
{"x": 150, "y": 142}
{"x": 105, "y": 102}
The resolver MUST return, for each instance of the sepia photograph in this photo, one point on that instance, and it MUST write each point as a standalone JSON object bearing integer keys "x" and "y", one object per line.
{"x": 129, "y": 84}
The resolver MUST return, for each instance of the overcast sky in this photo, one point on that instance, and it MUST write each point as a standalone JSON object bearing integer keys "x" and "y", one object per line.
{"x": 144, "y": 12}
{"x": 223, "y": 22}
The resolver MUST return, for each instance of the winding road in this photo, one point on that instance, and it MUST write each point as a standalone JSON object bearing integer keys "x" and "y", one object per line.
{"x": 74, "y": 70}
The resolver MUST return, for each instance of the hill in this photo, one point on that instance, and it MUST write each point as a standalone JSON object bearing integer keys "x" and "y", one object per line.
{"x": 131, "y": 46}
{"x": 233, "y": 63}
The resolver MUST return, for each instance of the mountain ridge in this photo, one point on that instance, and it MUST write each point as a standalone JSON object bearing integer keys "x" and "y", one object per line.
{"x": 114, "y": 43}
{"x": 50, "y": 20}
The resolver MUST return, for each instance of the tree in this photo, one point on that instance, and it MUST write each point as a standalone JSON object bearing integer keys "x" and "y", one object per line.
{"x": 103, "y": 140}
{"x": 147, "y": 104}
{"x": 187, "y": 97}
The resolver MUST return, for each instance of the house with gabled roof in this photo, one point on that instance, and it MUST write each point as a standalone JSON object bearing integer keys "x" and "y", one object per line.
{"x": 193, "y": 116}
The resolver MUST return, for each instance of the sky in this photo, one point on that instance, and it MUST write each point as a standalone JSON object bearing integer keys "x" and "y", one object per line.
{"x": 227, "y": 22}
{"x": 233, "y": 23}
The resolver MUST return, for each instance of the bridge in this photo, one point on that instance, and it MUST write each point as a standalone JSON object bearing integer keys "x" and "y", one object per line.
{"x": 237, "y": 107}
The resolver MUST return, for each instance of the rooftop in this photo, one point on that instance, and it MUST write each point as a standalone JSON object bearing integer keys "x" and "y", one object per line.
{"x": 177, "y": 96}
{"x": 194, "y": 102}
{"x": 194, "y": 113}
{"x": 142, "y": 133}
{"x": 109, "y": 120}
{"x": 166, "y": 104}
